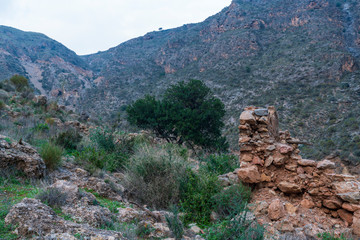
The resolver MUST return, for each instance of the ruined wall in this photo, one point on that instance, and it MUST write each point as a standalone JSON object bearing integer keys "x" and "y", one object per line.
{"x": 293, "y": 193}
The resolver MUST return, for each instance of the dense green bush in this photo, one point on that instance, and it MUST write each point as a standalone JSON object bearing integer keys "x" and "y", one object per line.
{"x": 196, "y": 199}
{"x": 20, "y": 82}
{"x": 220, "y": 163}
{"x": 187, "y": 113}
{"x": 103, "y": 139}
{"x": 51, "y": 154}
{"x": 154, "y": 175}
{"x": 68, "y": 139}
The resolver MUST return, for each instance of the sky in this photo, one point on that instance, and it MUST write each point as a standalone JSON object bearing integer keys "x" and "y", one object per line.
{"x": 89, "y": 26}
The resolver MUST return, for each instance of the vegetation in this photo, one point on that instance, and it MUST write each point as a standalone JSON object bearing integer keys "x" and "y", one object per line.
{"x": 51, "y": 154}
{"x": 188, "y": 112}
{"x": 20, "y": 82}
{"x": 53, "y": 197}
{"x": 174, "y": 223}
{"x": 220, "y": 163}
{"x": 68, "y": 139}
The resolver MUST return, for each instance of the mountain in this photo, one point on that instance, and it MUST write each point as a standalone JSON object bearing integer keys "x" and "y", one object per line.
{"x": 52, "y": 68}
{"x": 301, "y": 56}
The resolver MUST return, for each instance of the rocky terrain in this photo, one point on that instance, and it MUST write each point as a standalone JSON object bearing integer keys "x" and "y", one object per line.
{"x": 301, "y": 56}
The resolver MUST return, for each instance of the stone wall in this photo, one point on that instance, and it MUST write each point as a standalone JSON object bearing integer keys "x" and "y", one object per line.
{"x": 293, "y": 192}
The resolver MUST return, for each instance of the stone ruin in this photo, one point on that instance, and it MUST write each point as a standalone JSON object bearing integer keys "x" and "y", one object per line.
{"x": 292, "y": 194}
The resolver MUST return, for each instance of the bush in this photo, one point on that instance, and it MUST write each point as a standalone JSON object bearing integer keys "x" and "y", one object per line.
{"x": 237, "y": 228}
{"x": 153, "y": 175}
{"x": 41, "y": 127}
{"x": 2, "y": 105}
{"x": 51, "y": 154}
{"x": 232, "y": 199}
{"x": 20, "y": 82}
{"x": 53, "y": 197}
{"x": 69, "y": 139}
{"x": 196, "y": 199}
{"x": 103, "y": 139}
{"x": 220, "y": 163}
{"x": 174, "y": 223}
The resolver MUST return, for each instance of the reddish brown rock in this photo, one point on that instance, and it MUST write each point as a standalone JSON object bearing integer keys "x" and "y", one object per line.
{"x": 284, "y": 148}
{"x": 356, "y": 223}
{"x": 249, "y": 174}
{"x": 276, "y": 210}
{"x": 325, "y": 164}
{"x": 287, "y": 187}
{"x": 332, "y": 203}
{"x": 257, "y": 161}
{"x": 345, "y": 215}
{"x": 307, "y": 163}
{"x": 351, "y": 207}
{"x": 306, "y": 203}
{"x": 246, "y": 157}
{"x": 247, "y": 117}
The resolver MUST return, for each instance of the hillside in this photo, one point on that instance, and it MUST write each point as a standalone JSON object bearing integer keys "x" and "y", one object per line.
{"x": 300, "y": 56}
{"x": 52, "y": 68}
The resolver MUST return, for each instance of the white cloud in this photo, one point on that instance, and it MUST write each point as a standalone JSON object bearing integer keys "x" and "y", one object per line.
{"x": 88, "y": 26}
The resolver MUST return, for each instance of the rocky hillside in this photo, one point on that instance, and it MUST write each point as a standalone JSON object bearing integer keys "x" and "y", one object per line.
{"x": 300, "y": 56}
{"x": 52, "y": 68}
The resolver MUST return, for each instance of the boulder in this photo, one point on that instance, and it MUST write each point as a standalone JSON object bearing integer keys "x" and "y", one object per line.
{"x": 351, "y": 197}
{"x": 22, "y": 156}
{"x": 287, "y": 187}
{"x": 345, "y": 215}
{"x": 325, "y": 164}
{"x": 276, "y": 210}
{"x": 351, "y": 207}
{"x": 261, "y": 112}
{"x": 34, "y": 218}
{"x": 284, "y": 148}
{"x": 249, "y": 174}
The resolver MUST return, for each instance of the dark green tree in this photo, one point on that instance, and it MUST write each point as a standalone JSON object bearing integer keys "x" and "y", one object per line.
{"x": 188, "y": 112}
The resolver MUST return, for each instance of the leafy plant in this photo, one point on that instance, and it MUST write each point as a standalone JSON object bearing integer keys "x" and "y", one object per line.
{"x": 51, "y": 154}
{"x": 20, "y": 82}
{"x": 330, "y": 236}
{"x": 68, "y": 139}
{"x": 220, "y": 163}
{"x": 174, "y": 223}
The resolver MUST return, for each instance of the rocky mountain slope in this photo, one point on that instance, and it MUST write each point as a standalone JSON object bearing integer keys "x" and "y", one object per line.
{"x": 300, "y": 56}
{"x": 52, "y": 68}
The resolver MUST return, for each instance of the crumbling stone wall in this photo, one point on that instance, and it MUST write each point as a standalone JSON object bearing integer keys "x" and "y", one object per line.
{"x": 270, "y": 162}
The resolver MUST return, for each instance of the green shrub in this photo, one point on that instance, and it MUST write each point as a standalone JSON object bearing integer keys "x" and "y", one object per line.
{"x": 103, "y": 139}
{"x": 41, "y": 127}
{"x": 220, "y": 163}
{"x": 196, "y": 199}
{"x": 154, "y": 174}
{"x": 2, "y": 105}
{"x": 20, "y": 82}
{"x": 232, "y": 199}
{"x": 51, "y": 154}
{"x": 330, "y": 236}
{"x": 236, "y": 228}
{"x": 53, "y": 197}
{"x": 6, "y": 230}
{"x": 69, "y": 139}
{"x": 92, "y": 158}
{"x": 174, "y": 223}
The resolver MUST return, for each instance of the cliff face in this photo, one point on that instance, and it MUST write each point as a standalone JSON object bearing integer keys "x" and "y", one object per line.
{"x": 301, "y": 56}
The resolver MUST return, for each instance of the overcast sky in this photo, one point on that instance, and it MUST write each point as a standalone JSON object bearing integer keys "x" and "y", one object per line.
{"x": 88, "y": 26}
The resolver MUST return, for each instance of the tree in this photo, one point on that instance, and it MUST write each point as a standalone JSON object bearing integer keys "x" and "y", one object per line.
{"x": 188, "y": 112}
{"x": 20, "y": 82}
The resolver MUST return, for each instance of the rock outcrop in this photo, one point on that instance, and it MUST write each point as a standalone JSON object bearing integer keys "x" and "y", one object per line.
{"x": 35, "y": 218}
{"x": 22, "y": 156}
{"x": 298, "y": 194}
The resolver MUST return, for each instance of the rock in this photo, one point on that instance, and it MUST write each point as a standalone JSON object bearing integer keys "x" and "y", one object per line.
{"x": 332, "y": 203}
{"x": 307, "y": 163}
{"x": 268, "y": 161}
{"x": 325, "y": 164}
{"x": 261, "y": 112}
{"x": 265, "y": 178}
{"x": 290, "y": 209}
{"x": 352, "y": 197}
{"x": 291, "y": 167}
{"x": 22, "y": 156}
{"x": 284, "y": 226}
{"x": 270, "y": 148}
{"x": 195, "y": 229}
{"x": 356, "y": 223}
{"x": 279, "y": 159}
{"x": 276, "y": 210}
{"x": 345, "y": 215}
{"x": 244, "y": 139}
{"x": 284, "y": 148}
{"x": 129, "y": 214}
{"x": 306, "y": 203}
{"x": 246, "y": 157}
{"x": 257, "y": 161}
{"x": 259, "y": 208}
{"x": 249, "y": 174}
{"x": 34, "y": 218}
{"x": 247, "y": 117}
{"x": 287, "y": 187}
{"x": 345, "y": 187}
{"x": 351, "y": 207}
